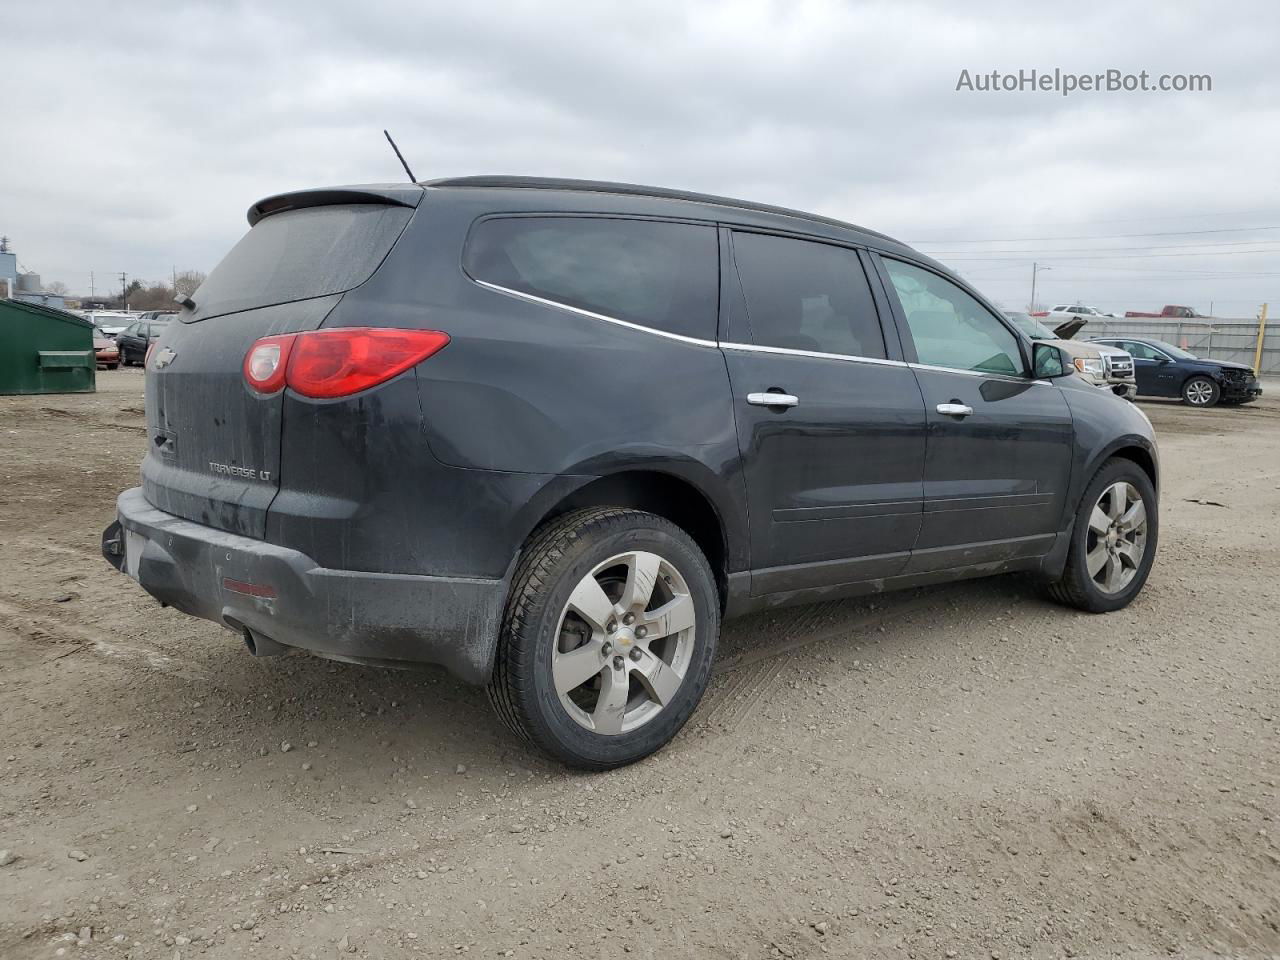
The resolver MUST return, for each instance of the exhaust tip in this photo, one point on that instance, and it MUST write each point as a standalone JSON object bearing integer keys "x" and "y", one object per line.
{"x": 260, "y": 645}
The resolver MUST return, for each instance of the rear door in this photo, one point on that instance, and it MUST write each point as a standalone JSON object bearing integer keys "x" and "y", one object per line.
{"x": 998, "y": 458}
{"x": 214, "y": 445}
{"x": 830, "y": 424}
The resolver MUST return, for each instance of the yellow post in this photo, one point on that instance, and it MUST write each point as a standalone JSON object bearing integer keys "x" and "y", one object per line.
{"x": 1262, "y": 333}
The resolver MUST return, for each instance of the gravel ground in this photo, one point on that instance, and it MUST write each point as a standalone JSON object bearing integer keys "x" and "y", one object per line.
{"x": 967, "y": 771}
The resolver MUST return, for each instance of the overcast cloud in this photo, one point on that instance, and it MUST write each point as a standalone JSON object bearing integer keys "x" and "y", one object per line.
{"x": 136, "y": 133}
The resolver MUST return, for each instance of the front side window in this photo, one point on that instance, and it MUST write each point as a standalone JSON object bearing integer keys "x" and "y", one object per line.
{"x": 1142, "y": 351}
{"x": 656, "y": 274}
{"x": 805, "y": 295}
{"x": 949, "y": 327}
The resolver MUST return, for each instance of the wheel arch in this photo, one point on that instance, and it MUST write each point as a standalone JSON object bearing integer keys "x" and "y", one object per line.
{"x": 1134, "y": 449}
{"x": 663, "y": 492}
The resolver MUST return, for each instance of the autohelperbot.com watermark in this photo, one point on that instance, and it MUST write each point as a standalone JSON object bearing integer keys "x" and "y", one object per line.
{"x": 1065, "y": 83}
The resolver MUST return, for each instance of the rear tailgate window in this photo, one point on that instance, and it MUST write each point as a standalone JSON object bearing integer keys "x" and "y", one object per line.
{"x": 297, "y": 254}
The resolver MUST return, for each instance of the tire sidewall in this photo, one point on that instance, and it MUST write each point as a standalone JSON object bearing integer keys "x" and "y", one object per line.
{"x": 1214, "y": 397}
{"x": 550, "y": 720}
{"x": 1112, "y": 472}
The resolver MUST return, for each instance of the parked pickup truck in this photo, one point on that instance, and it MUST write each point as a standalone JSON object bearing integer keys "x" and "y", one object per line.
{"x": 1107, "y": 367}
{"x": 1172, "y": 311}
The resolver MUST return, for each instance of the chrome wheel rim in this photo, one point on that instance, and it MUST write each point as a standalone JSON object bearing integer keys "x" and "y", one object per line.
{"x": 624, "y": 643}
{"x": 1199, "y": 392}
{"x": 1117, "y": 537}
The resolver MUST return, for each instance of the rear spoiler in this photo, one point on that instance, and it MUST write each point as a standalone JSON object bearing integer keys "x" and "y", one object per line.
{"x": 399, "y": 195}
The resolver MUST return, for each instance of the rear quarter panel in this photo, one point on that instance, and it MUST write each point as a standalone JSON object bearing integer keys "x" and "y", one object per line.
{"x": 527, "y": 389}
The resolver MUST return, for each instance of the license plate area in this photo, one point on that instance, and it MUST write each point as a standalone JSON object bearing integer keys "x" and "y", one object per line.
{"x": 134, "y": 543}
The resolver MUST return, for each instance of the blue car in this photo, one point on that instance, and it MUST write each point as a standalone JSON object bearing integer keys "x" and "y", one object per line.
{"x": 1163, "y": 370}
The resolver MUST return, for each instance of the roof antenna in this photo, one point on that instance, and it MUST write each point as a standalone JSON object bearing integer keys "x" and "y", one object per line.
{"x": 400, "y": 157}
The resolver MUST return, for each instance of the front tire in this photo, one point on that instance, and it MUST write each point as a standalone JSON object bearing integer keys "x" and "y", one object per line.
{"x": 607, "y": 638}
{"x": 1113, "y": 541}
{"x": 1200, "y": 392}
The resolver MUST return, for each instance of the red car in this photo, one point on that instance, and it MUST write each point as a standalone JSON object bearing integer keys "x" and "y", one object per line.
{"x": 105, "y": 351}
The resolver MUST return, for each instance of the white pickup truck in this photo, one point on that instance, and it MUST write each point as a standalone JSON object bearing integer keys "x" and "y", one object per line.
{"x": 1107, "y": 367}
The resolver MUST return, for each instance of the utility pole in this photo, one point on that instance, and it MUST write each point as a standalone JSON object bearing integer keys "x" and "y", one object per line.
{"x": 124, "y": 291}
{"x": 175, "y": 279}
{"x": 92, "y": 293}
{"x": 1035, "y": 268}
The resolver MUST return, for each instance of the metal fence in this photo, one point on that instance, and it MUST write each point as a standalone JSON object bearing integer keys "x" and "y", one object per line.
{"x": 1234, "y": 340}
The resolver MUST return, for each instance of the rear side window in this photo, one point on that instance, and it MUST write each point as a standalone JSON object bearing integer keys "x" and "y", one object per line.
{"x": 311, "y": 252}
{"x": 807, "y": 296}
{"x": 660, "y": 275}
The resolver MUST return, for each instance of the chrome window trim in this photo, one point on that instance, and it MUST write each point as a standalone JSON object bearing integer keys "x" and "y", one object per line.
{"x": 746, "y": 347}
{"x": 1008, "y": 377}
{"x": 789, "y": 352}
{"x": 519, "y": 294}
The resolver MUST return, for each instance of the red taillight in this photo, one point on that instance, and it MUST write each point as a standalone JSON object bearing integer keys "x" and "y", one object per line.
{"x": 339, "y": 362}
{"x": 267, "y": 361}
{"x": 146, "y": 360}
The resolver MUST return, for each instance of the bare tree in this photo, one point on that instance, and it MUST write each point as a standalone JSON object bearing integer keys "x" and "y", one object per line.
{"x": 57, "y": 288}
{"x": 188, "y": 281}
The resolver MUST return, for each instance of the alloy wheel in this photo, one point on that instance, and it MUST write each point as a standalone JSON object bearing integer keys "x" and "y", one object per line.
{"x": 1199, "y": 392}
{"x": 1117, "y": 537}
{"x": 624, "y": 643}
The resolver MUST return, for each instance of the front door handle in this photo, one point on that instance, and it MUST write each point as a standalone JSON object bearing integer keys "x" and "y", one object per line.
{"x": 954, "y": 409}
{"x": 772, "y": 399}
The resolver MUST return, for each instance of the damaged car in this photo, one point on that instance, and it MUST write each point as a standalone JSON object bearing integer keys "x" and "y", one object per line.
{"x": 550, "y": 434}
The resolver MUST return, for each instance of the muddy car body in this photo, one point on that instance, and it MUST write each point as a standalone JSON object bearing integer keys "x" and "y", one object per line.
{"x": 548, "y": 433}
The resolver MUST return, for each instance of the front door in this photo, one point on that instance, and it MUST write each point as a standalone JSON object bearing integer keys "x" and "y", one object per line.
{"x": 1153, "y": 370}
{"x": 998, "y": 453}
{"x": 831, "y": 429}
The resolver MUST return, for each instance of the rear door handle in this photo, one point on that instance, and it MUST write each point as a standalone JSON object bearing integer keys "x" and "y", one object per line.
{"x": 772, "y": 399}
{"x": 954, "y": 409}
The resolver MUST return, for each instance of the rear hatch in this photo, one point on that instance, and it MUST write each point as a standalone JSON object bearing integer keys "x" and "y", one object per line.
{"x": 213, "y": 453}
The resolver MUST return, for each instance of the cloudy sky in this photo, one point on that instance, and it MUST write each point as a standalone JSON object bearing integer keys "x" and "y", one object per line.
{"x": 138, "y": 133}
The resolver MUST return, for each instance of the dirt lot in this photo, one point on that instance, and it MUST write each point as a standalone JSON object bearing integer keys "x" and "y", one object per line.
{"x": 962, "y": 772}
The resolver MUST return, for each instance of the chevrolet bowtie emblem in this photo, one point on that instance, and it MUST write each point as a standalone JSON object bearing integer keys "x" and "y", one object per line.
{"x": 163, "y": 357}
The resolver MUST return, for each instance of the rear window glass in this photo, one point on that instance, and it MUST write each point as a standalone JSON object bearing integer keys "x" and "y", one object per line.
{"x": 803, "y": 295}
{"x": 660, "y": 275}
{"x": 312, "y": 252}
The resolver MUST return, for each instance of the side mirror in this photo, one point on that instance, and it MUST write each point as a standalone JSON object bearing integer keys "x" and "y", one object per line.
{"x": 1047, "y": 361}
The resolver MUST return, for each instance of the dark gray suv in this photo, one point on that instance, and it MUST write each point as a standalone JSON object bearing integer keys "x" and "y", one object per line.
{"x": 549, "y": 433}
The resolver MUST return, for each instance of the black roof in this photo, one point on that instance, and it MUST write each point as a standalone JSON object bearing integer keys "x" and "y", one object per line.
{"x": 638, "y": 190}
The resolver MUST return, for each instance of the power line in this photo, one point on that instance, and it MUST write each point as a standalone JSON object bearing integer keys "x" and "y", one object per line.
{"x": 1154, "y": 246}
{"x": 1109, "y": 236}
{"x": 1078, "y": 223}
{"x": 1126, "y": 256}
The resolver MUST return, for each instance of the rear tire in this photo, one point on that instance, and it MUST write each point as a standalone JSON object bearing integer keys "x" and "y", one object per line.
{"x": 1110, "y": 556}
{"x": 607, "y": 638}
{"x": 1200, "y": 392}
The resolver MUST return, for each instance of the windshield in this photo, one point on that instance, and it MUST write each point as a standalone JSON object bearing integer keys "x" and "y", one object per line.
{"x": 1176, "y": 352}
{"x": 1029, "y": 325}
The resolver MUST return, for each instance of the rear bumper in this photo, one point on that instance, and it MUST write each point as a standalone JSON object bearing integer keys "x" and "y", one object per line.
{"x": 284, "y": 599}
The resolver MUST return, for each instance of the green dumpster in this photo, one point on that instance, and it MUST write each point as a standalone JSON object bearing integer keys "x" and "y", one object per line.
{"x": 43, "y": 350}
